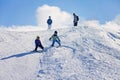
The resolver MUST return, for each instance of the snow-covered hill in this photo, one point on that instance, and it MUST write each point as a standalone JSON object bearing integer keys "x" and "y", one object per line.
{"x": 87, "y": 53}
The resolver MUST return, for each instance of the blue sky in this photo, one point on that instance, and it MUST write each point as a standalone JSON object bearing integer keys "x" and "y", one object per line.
{"x": 23, "y": 12}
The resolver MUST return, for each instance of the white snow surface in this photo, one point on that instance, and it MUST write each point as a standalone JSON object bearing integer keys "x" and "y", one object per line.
{"x": 87, "y": 53}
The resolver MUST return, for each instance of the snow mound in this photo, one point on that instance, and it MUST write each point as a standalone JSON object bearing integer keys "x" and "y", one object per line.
{"x": 87, "y": 53}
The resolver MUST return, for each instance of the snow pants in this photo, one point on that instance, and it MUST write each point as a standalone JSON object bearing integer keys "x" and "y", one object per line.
{"x": 38, "y": 46}
{"x": 53, "y": 42}
{"x": 75, "y": 23}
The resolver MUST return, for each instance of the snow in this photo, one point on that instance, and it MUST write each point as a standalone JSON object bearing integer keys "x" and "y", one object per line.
{"x": 87, "y": 53}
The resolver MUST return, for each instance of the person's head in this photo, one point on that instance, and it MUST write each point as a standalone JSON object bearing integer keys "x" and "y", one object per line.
{"x": 73, "y": 13}
{"x": 55, "y": 32}
{"x": 38, "y": 37}
{"x": 49, "y": 17}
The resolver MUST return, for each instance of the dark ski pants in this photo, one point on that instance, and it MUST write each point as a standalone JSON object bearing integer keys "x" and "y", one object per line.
{"x": 75, "y": 23}
{"x": 39, "y": 46}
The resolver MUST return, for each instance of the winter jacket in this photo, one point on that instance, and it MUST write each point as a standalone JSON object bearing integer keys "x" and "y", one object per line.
{"x": 54, "y": 37}
{"x": 76, "y": 18}
{"x": 37, "y": 42}
{"x": 49, "y": 21}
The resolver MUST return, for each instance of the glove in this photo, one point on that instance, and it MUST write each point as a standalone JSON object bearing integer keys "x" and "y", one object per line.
{"x": 49, "y": 38}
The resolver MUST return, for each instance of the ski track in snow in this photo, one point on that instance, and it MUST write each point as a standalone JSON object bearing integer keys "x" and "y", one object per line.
{"x": 85, "y": 54}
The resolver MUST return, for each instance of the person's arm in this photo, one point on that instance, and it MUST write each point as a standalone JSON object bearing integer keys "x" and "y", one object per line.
{"x": 51, "y": 37}
{"x": 51, "y": 21}
{"x": 58, "y": 38}
{"x": 47, "y": 20}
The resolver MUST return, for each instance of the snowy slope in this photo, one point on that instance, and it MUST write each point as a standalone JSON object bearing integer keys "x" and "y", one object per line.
{"x": 87, "y": 53}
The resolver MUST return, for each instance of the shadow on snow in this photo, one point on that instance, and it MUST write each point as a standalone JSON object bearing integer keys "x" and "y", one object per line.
{"x": 32, "y": 52}
{"x": 20, "y": 55}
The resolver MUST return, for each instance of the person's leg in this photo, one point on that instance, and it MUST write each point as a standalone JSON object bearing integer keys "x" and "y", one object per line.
{"x": 58, "y": 42}
{"x": 49, "y": 26}
{"x": 53, "y": 42}
{"x": 75, "y": 23}
{"x": 41, "y": 46}
{"x": 36, "y": 48}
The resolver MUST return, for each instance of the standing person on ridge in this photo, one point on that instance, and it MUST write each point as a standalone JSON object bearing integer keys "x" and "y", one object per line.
{"x": 38, "y": 43}
{"x": 76, "y": 19}
{"x": 55, "y": 38}
{"x": 49, "y": 22}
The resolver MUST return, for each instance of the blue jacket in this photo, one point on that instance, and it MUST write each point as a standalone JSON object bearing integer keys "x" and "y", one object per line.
{"x": 49, "y": 21}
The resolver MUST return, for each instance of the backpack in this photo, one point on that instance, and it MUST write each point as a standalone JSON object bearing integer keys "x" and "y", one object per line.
{"x": 77, "y": 18}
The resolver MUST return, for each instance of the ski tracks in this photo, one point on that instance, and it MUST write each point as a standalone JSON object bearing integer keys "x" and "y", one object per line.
{"x": 52, "y": 64}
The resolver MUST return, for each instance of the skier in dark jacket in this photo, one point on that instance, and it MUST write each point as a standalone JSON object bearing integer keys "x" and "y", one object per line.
{"x": 38, "y": 43}
{"x": 76, "y": 19}
{"x": 55, "y": 38}
{"x": 49, "y": 22}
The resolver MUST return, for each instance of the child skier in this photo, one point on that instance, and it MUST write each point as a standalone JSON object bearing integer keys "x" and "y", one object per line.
{"x": 38, "y": 43}
{"x": 55, "y": 38}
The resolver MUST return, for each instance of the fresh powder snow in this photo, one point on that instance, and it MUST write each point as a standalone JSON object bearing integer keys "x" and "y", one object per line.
{"x": 86, "y": 53}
